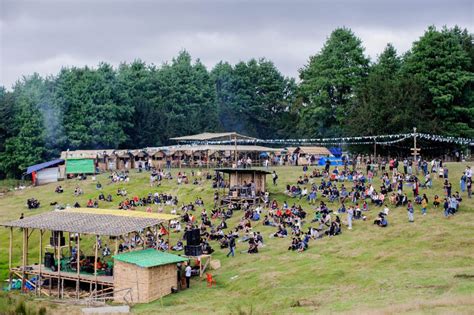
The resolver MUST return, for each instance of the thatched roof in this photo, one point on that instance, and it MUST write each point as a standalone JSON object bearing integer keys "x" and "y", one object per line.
{"x": 91, "y": 221}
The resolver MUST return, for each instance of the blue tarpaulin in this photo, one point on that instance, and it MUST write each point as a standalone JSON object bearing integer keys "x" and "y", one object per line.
{"x": 333, "y": 160}
{"x": 39, "y": 167}
{"x": 337, "y": 152}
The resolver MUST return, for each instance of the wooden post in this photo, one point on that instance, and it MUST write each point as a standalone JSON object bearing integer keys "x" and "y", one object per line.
{"x": 24, "y": 258}
{"x": 38, "y": 283}
{"x": 78, "y": 264}
{"x": 156, "y": 237}
{"x": 95, "y": 259}
{"x": 169, "y": 245}
{"x": 10, "y": 274}
{"x": 116, "y": 245}
{"x": 58, "y": 244}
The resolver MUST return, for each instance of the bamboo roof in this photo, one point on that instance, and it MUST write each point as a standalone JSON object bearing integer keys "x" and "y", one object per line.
{"x": 92, "y": 221}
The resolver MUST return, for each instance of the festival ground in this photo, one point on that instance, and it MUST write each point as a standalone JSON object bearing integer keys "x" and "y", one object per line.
{"x": 423, "y": 267}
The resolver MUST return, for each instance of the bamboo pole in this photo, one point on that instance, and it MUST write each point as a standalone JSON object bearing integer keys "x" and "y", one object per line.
{"x": 169, "y": 245}
{"x": 116, "y": 245}
{"x": 95, "y": 258}
{"x": 10, "y": 254}
{"x": 24, "y": 258}
{"x": 78, "y": 264}
{"x": 38, "y": 283}
{"x": 58, "y": 244}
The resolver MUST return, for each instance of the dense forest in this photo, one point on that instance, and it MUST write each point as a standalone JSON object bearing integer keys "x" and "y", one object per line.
{"x": 340, "y": 91}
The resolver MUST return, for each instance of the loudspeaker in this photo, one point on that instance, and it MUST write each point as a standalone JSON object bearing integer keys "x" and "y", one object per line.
{"x": 48, "y": 260}
{"x": 192, "y": 250}
{"x": 193, "y": 237}
{"x": 53, "y": 240}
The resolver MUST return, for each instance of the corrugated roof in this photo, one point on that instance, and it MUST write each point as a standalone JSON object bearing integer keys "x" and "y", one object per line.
{"x": 149, "y": 258}
{"x": 86, "y": 223}
{"x": 212, "y": 136}
{"x": 311, "y": 150}
{"x": 241, "y": 170}
{"x": 39, "y": 167}
{"x": 215, "y": 147}
{"x": 86, "y": 153}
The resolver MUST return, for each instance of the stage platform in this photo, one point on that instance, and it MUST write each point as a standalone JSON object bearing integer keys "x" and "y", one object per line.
{"x": 66, "y": 275}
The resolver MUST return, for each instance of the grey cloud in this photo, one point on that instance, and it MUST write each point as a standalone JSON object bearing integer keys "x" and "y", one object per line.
{"x": 42, "y": 36}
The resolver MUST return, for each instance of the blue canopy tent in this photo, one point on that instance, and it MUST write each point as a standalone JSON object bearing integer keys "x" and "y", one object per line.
{"x": 334, "y": 161}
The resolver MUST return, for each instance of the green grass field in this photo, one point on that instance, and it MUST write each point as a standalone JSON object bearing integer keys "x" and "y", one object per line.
{"x": 424, "y": 267}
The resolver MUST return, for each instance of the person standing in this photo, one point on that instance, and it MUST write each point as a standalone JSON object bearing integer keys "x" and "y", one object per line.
{"x": 274, "y": 177}
{"x": 469, "y": 187}
{"x": 424, "y": 204}
{"x": 462, "y": 182}
{"x": 188, "y": 274}
{"x": 410, "y": 212}
{"x": 231, "y": 246}
{"x": 350, "y": 215}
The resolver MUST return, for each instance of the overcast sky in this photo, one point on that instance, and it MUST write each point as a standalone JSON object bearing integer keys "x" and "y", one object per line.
{"x": 42, "y": 36}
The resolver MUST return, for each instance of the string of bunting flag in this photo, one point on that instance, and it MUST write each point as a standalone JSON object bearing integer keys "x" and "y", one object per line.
{"x": 360, "y": 140}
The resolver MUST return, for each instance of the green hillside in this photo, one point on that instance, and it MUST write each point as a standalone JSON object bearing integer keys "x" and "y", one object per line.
{"x": 423, "y": 267}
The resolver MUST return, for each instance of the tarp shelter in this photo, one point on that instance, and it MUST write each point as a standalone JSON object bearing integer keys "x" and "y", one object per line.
{"x": 337, "y": 152}
{"x": 47, "y": 172}
{"x": 80, "y": 166}
{"x": 149, "y": 273}
{"x": 334, "y": 161}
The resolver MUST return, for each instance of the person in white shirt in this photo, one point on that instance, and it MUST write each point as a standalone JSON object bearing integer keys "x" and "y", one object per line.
{"x": 187, "y": 271}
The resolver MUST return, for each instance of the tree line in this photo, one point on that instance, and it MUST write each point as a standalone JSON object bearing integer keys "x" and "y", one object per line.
{"x": 340, "y": 92}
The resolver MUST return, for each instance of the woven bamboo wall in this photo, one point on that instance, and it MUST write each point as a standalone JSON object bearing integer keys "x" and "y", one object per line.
{"x": 147, "y": 284}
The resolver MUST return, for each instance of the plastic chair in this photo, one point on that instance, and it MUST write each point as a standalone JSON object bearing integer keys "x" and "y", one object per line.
{"x": 210, "y": 280}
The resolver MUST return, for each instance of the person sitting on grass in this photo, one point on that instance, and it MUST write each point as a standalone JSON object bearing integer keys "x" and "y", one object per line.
{"x": 253, "y": 248}
{"x": 59, "y": 189}
{"x": 282, "y": 232}
{"x": 381, "y": 220}
{"x": 178, "y": 247}
{"x": 33, "y": 203}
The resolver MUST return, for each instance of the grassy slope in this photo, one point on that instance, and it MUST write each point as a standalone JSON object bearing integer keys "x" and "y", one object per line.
{"x": 403, "y": 268}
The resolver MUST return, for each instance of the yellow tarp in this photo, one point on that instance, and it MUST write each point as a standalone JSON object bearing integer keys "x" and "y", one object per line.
{"x": 126, "y": 213}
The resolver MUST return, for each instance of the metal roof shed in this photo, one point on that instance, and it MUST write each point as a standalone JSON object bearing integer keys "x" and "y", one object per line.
{"x": 149, "y": 273}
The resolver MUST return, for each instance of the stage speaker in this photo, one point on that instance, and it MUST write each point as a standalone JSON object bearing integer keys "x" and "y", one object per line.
{"x": 193, "y": 237}
{"x": 48, "y": 260}
{"x": 193, "y": 250}
{"x": 53, "y": 240}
